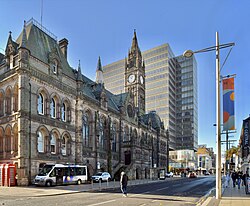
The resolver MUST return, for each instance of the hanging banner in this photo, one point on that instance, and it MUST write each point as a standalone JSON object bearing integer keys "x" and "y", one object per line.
{"x": 228, "y": 104}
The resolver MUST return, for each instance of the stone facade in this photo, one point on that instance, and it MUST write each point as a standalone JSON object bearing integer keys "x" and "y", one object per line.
{"x": 51, "y": 113}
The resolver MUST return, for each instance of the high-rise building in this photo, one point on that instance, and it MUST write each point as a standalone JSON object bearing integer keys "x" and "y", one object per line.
{"x": 171, "y": 91}
{"x": 186, "y": 103}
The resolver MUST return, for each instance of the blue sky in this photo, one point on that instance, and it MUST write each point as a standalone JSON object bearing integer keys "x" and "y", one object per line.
{"x": 105, "y": 28}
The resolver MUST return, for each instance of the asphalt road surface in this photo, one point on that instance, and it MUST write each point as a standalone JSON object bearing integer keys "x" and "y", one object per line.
{"x": 180, "y": 192}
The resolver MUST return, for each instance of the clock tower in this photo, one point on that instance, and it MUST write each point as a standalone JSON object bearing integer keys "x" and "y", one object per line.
{"x": 135, "y": 75}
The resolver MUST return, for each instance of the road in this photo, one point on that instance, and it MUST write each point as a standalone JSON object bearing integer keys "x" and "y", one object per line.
{"x": 178, "y": 192}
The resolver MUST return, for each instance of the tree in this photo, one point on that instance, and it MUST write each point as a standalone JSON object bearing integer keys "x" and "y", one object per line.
{"x": 231, "y": 151}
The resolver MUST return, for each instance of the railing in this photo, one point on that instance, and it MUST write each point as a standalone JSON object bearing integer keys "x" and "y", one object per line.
{"x": 40, "y": 26}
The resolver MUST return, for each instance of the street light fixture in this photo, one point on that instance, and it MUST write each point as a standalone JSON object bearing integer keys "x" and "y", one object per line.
{"x": 189, "y": 53}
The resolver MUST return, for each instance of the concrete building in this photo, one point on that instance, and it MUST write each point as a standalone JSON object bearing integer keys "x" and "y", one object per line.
{"x": 171, "y": 90}
{"x": 205, "y": 159}
{"x": 244, "y": 146}
{"x": 51, "y": 113}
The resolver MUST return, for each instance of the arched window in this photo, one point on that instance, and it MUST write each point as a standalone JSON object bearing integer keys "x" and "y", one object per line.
{"x": 1, "y": 140}
{"x": 114, "y": 138}
{"x": 68, "y": 146}
{"x": 40, "y": 142}
{"x": 15, "y": 135}
{"x": 64, "y": 145}
{"x": 15, "y": 99}
{"x": 53, "y": 144}
{"x": 101, "y": 136}
{"x": 85, "y": 131}
{"x": 53, "y": 108}
{"x": 55, "y": 67}
{"x": 8, "y": 101}
{"x": 64, "y": 112}
{"x": 1, "y": 104}
{"x": 40, "y": 105}
{"x": 8, "y": 139}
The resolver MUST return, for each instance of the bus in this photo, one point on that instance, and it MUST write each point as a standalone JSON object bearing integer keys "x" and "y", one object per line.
{"x": 61, "y": 174}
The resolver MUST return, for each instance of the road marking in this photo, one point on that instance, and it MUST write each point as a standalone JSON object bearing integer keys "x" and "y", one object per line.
{"x": 162, "y": 188}
{"x": 140, "y": 193}
{"x": 100, "y": 203}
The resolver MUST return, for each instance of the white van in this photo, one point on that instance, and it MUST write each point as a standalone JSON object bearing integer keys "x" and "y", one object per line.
{"x": 60, "y": 174}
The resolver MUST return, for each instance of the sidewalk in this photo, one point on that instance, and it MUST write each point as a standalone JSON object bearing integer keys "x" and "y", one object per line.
{"x": 231, "y": 196}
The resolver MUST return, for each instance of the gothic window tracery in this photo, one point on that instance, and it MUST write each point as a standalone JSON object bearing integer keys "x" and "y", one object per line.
{"x": 40, "y": 104}
{"x": 86, "y": 130}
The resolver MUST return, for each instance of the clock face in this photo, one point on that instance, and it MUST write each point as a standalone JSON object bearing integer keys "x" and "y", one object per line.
{"x": 141, "y": 79}
{"x": 131, "y": 78}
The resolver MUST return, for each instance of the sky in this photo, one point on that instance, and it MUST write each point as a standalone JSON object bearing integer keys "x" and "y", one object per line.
{"x": 105, "y": 28}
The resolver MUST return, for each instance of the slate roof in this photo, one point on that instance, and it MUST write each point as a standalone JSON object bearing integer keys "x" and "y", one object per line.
{"x": 41, "y": 44}
{"x": 152, "y": 117}
{"x": 1, "y": 58}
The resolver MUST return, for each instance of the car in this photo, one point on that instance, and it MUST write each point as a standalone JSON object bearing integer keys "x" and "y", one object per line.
{"x": 206, "y": 173}
{"x": 101, "y": 176}
{"x": 192, "y": 175}
{"x": 169, "y": 174}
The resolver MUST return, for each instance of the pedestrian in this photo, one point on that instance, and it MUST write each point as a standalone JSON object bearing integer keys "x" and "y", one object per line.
{"x": 227, "y": 179}
{"x": 124, "y": 182}
{"x": 244, "y": 176}
{"x": 239, "y": 179}
{"x": 234, "y": 177}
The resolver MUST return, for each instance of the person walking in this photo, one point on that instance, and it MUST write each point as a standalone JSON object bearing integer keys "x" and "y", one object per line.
{"x": 234, "y": 177}
{"x": 239, "y": 179}
{"x": 124, "y": 183}
{"x": 227, "y": 179}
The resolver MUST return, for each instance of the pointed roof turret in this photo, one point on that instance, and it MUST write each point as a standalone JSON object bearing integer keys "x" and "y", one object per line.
{"x": 99, "y": 72}
{"x": 9, "y": 38}
{"x": 24, "y": 36}
{"x": 9, "y": 42}
{"x": 99, "y": 65}
{"x": 134, "y": 42}
{"x": 79, "y": 73}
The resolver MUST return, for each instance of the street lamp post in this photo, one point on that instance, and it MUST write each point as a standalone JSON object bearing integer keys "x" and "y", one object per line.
{"x": 217, "y": 48}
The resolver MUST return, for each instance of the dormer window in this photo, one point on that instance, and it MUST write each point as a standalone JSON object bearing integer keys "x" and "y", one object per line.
{"x": 55, "y": 67}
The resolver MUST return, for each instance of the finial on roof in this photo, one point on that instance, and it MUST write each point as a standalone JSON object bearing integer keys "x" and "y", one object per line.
{"x": 24, "y": 36}
{"x": 79, "y": 65}
{"x": 99, "y": 72}
{"x": 99, "y": 65}
{"x": 79, "y": 73}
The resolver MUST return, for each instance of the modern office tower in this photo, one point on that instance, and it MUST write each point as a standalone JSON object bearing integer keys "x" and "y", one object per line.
{"x": 162, "y": 87}
{"x": 186, "y": 103}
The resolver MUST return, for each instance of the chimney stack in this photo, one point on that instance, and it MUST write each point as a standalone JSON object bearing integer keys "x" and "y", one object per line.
{"x": 63, "y": 44}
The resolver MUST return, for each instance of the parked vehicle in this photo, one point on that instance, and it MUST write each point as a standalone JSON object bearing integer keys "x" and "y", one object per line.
{"x": 101, "y": 176}
{"x": 60, "y": 174}
{"x": 206, "y": 173}
{"x": 192, "y": 175}
{"x": 169, "y": 174}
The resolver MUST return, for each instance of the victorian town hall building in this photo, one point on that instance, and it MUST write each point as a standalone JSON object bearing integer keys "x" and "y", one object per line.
{"x": 51, "y": 113}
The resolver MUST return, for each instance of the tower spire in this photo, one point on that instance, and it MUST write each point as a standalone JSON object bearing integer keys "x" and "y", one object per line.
{"x": 134, "y": 46}
{"x": 99, "y": 72}
{"x": 79, "y": 73}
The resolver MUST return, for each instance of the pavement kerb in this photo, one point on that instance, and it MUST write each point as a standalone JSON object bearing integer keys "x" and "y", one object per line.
{"x": 205, "y": 197}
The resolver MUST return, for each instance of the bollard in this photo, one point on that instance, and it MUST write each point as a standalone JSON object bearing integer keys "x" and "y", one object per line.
{"x": 100, "y": 184}
{"x": 92, "y": 184}
{"x": 107, "y": 183}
